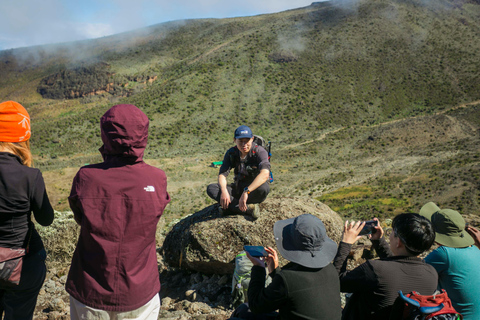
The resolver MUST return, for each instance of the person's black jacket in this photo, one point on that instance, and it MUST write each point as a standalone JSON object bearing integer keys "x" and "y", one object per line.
{"x": 375, "y": 283}
{"x": 297, "y": 292}
{"x": 22, "y": 190}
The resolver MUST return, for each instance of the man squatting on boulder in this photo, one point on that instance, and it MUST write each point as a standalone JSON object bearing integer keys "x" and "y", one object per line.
{"x": 252, "y": 171}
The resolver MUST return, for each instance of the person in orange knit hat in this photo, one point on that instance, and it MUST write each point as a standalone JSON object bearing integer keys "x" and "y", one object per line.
{"x": 22, "y": 191}
{"x": 14, "y": 122}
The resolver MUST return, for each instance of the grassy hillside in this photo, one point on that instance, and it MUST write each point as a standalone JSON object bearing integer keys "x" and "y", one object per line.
{"x": 355, "y": 100}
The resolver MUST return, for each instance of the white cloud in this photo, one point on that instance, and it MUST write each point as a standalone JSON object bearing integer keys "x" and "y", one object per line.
{"x": 94, "y": 30}
{"x": 33, "y": 22}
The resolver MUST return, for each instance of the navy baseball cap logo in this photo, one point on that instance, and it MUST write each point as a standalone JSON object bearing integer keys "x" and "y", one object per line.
{"x": 243, "y": 132}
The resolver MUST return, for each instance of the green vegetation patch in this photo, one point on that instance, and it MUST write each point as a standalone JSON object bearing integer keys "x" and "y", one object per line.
{"x": 348, "y": 193}
{"x": 364, "y": 202}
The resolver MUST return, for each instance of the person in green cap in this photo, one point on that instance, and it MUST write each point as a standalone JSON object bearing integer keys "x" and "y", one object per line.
{"x": 456, "y": 260}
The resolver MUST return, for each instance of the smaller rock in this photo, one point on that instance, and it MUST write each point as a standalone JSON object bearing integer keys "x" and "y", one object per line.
{"x": 56, "y": 304}
{"x": 54, "y": 315}
{"x": 193, "y": 308}
{"x": 166, "y": 303}
{"x": 217, "y": 317}
{"x": 205, "y": 309}
{"x": 191, "y": 295}
{"x": 49, "y": 284}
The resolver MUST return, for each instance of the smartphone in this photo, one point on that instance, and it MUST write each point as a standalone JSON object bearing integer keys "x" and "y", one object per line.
{"x": 255, "y": 251}
{"x": 369, "y": 227}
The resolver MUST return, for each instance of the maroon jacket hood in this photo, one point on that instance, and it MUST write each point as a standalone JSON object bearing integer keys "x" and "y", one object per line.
{"x": 124, "y": 130}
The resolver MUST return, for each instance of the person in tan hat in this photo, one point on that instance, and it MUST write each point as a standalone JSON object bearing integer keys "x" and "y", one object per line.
{"x": 456, "y": 260}
{"x": 22, "y": 191}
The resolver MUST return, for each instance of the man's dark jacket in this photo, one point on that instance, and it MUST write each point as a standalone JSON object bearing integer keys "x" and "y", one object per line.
{"x": 118, "y": 204}
{"x": 245, "y": 173}
{"x": 297, "y": 292}
{"x": 375, "y": 283}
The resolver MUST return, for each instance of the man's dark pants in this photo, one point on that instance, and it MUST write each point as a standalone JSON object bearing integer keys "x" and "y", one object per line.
{"x": 256, "y": 196}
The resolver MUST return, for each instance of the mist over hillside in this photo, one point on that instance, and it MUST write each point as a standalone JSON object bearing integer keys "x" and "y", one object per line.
{"x": 371, "y": 105}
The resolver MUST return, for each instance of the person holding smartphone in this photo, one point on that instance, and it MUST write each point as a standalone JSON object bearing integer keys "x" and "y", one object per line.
{"x": 375, "y": 284}
{"x": 307, "y": 287}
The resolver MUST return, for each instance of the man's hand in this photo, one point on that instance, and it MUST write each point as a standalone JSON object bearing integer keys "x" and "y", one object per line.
{"x": 351, "y": 231}
{"x": 256, "y": 261}
{"x": 272, "y": 259}
{"x": 242, "y": 202}
{"x": 378, "y": 233}
{"x": 475, "y": 233}
{"x": 225, "y": 200}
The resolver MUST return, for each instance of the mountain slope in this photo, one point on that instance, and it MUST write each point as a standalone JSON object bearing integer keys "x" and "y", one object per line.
{"x": 292, "y": 76}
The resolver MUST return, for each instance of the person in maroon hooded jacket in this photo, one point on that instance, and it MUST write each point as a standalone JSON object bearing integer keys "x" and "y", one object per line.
{"x": 117, "y": 203}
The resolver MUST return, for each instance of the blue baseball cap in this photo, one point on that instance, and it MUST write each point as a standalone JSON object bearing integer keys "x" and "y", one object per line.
{"x": 243, "y": 132}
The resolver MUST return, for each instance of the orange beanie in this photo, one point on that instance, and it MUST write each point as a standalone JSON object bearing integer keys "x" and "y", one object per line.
{"x": 14, "y": 122}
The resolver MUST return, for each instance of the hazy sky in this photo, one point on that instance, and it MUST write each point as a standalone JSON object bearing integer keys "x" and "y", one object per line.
{"x": 32, "y": 22}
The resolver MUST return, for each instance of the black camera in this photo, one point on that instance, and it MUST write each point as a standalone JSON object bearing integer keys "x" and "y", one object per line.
{"x": 369, "y": 227}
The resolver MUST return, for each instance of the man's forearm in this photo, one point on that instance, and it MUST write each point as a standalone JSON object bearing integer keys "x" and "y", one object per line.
{"x": 222, "y": 182}
{"x": 259, "y": 180}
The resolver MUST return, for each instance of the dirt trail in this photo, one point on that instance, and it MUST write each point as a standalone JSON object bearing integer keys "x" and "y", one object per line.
{"x": 325, "y": 134}
{"x": 235, "y": 38}
{"x": 211, "y": 51}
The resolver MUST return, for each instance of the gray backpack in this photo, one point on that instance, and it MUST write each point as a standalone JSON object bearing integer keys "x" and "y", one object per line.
{"x": 241, "y": 279}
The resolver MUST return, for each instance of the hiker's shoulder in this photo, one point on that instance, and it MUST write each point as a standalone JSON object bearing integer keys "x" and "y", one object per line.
{"x": 233, "y": 150}
{"x": 260, "y": 148}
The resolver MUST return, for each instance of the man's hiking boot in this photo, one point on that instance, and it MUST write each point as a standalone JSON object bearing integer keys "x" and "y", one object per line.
{"x": 253, "y": 210}
{"x": 224, "y": 212}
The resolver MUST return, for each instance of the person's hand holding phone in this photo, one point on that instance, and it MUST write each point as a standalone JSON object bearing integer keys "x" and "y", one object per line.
{"x": 351, "y": 231}
{"x": 272, "y": 259}
{"x": 257, "y": 261}
{"x": 378, "y": 231}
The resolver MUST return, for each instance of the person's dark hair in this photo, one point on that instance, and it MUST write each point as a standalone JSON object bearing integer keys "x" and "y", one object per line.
{"x": 415, "y": 232}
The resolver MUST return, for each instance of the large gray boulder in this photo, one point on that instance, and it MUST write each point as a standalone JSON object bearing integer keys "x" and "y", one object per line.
{"x": 207, "y": 242}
